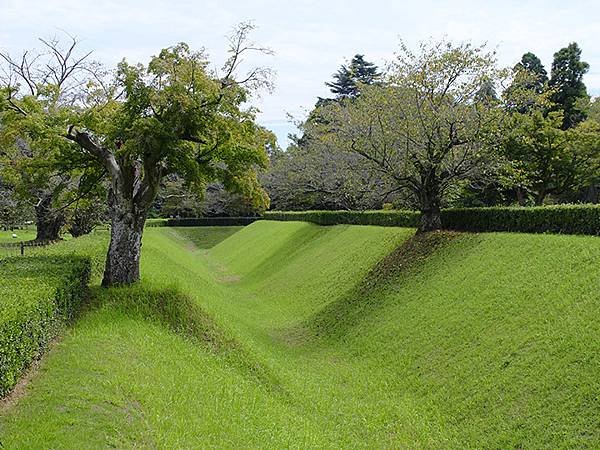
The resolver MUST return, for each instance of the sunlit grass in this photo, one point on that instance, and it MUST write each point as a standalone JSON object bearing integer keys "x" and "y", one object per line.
{"x": 295, "y": 335}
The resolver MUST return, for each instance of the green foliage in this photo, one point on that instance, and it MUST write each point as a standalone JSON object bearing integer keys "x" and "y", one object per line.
{"x": 567, "y": 219}
{"x": 566, "y": 80}
{"x": 178, "y": 115}
{"x": 348, "y": 79}
{"x": 380, "y": 218}
{"x": 427, "y": 128}
{"x": 39, "y": 294}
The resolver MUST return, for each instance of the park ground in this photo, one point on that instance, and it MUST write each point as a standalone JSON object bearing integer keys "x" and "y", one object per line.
{"x": 289, "y": 334}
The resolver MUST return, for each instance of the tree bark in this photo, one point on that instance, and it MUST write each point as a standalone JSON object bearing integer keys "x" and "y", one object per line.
{"x": 430, "y": 202}
{"x": 48, "y": 222}
{"x": 123, "y": 256}
{"x": 134, "y": 185}
{"x": 540, "y": 197}
{"x": 431, "y": 219}
{"x": 520, "y": 196}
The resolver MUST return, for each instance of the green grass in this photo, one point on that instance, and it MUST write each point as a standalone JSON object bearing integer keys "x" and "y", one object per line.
{"x": 201, "y": 237}
{"x": 26, "y": 234}
{"x": 288, "y": 334}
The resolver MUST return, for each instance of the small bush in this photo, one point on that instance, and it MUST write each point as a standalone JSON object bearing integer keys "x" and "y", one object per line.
{"x": 567, "y": 219}
{"x": 39, "y": 295}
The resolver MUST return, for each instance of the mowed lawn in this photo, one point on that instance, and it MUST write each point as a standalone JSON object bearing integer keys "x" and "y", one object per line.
{"x": 26, "y": 234}
{"x": 287, "y": 334}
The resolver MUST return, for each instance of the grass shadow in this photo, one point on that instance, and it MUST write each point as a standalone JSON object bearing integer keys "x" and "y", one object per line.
{"x": 369, "y": 295}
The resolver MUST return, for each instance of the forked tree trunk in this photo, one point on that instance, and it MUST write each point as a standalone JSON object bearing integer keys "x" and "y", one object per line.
{"x": 123, "y": 257}
{"x": 48, "y": 222}
{"x": 134, "y": 184}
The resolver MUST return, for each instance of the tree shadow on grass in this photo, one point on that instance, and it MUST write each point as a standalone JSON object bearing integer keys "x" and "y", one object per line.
{"x": 338, "y": 317}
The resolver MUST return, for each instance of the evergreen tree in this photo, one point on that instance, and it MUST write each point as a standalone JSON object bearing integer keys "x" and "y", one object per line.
{"x": 532, "y": 64}
{"x": 530, "y": 81}
{"x": 346, "y": 79}
{"x": 567, "y": 82}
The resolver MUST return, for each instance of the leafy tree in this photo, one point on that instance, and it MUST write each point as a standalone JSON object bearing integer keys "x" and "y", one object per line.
{"x": 528, "y": 86}
{"x": 175, "y": 199}
{"x": 348, "y": 78}
{"x": 537, "y": 148}
{"x": 13, "y": 210}
{"x": 566, "y": 81}
{"x": 594, "y": 109}
{"x": 424, "y": 129}
{"x": 174, "y": 116}
{"x": 36, "y": 91}
{"x": 584, "y": 142}
{"x": 313, "y": 176}
{"x": 533, "y": 65}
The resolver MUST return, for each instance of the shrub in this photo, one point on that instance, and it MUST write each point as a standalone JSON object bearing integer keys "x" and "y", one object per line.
{"x": 567, "y": 219}
{"x": 39, "y": 295}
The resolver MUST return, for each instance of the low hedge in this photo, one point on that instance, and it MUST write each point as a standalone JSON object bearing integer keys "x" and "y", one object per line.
{"x": 567, "y": 219}
{"x": 210, "y": 221}
{"x": 39, "y": 295}
{"x": 395, "y": 218}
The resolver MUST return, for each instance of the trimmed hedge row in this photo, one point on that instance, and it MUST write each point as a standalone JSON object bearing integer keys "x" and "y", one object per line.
{"x": 210, "y": 221}
{"x": 39, "y": 295}
{"x": 397, "y": 218}
{"x": 567, "y": 219}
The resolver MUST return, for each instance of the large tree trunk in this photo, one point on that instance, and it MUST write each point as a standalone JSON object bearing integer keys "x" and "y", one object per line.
{"x": 127, "y": 227}
{"x": 431, "y": 219}
{"x": 48, "y": 221}
{"x": 430, "y": 202}
{"x": 134, "y": 184}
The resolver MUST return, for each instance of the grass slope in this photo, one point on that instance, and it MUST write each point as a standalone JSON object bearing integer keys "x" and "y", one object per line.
{"x": 201, "y": 237}
{"x": 295, "y": 335}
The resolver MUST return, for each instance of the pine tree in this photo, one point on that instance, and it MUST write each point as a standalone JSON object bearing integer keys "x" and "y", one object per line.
{"x": 567, "y": 82}
{"x": 532, "y": 64}
{"x": 346, "y": 79}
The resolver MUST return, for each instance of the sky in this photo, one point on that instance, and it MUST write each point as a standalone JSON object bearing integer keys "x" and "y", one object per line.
{"x": 310, "y": 39}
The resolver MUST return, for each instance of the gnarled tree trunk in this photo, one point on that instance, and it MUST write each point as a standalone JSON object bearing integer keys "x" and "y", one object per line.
{"x": 48, "y": 221}
{"x": 127, "y": 227}
{"x": 430, "y": 203}
{"x": 134, "y": 184}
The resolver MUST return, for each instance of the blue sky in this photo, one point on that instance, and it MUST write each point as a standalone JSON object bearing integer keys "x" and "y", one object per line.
{"x": 311, "y": 39}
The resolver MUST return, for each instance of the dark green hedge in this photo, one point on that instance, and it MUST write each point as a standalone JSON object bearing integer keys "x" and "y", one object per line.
{"x": 210, "y": 221}
{"x": 567, "y": 219}
{"x": 381, "y": 218}
{"x": 39, "y": 294}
